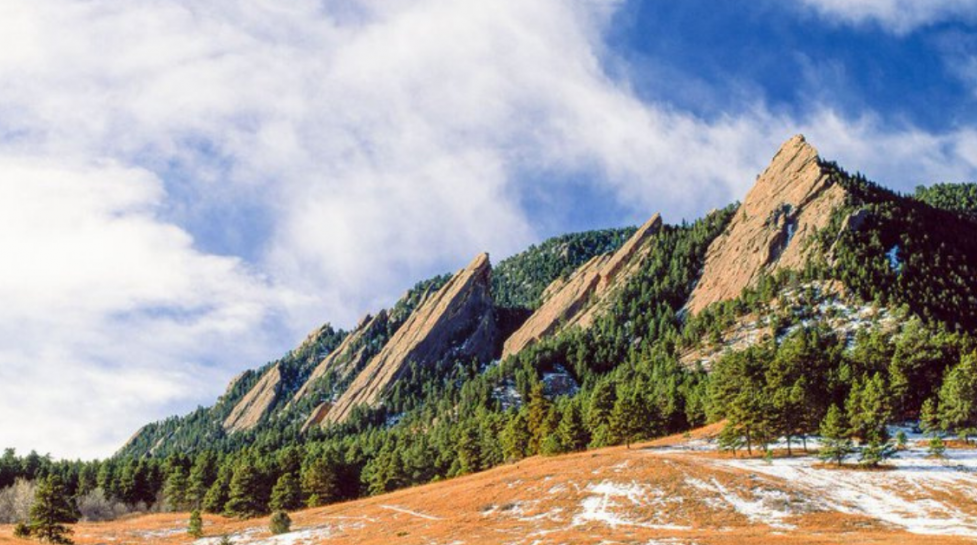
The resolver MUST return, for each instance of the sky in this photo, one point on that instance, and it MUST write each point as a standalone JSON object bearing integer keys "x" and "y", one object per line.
{"x": 187, "y": 187}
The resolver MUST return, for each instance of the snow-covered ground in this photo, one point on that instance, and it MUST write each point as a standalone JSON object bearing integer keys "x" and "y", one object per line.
{"x": 918, "y": 493}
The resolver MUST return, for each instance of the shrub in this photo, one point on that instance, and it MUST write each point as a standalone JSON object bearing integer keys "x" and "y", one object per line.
{"x": 16, "y": 500}
{"x": 94, "y": 507}
{"x": 280, "y": 523}
{"x": 196, "y": 526}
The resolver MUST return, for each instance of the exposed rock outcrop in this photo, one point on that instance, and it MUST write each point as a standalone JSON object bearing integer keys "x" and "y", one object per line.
{"x": 457, "y": 322}
{"x": 576, "y": 300}
{"x": 350, "y": 356}
{"x": 257, "y": 403}
{"x": 791, "y": 200}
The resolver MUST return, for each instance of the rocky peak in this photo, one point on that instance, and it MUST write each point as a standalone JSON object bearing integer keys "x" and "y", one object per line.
{"x": 576, "y": 300}
{"x": 351, "y": 355}
{"x": 791, "y": 200}
{"x": 456, "y": 322}
{"x": 256, "y": 403}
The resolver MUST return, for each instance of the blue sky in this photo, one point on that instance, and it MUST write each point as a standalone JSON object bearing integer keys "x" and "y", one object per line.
{"x": 187, "y": 188}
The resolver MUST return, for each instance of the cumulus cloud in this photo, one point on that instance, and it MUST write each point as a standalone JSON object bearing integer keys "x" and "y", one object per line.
{"x": 186, "y": 188}
{"x": 899, "y": 16}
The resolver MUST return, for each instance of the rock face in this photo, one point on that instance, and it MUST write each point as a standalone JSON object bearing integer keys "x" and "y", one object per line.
{"x": 791, "y": 200}
{"x": 457, "y": 322}
{"x": 256, "y": 403}
{"x": 577, "y": 300}
{"x": 351, "y": 355}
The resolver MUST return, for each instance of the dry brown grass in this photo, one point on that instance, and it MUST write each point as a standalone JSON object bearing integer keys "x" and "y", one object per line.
{"x": 537, "y": 501}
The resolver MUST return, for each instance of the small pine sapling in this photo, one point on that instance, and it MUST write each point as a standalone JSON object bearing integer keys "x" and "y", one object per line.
{"x": 280, "y": 523}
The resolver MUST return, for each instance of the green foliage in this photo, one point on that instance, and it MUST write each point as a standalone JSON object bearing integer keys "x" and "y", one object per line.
{"x": 195, "y": 528}
{"x": 51, "y": 510}
{"x": 869, "y": 409}
{"x": 280, "y": 523}
{"x": 836, "y": 445}
{"x": 246, "y": 497}
{"x": 958, "y": 398}
{"x": 519, "y": 281}
{"x": 516, "y": 438}
{"x": 287, "y": 493}
{"x": 936, "y": 446}
{"x": 959, "y": 198}
{"x": 572, "y": 433}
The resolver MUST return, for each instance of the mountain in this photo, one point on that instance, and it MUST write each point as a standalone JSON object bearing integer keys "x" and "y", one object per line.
{"x": 822, "y": 298}
{"x": 791, "y": 201}
{"x": 457, "y": 322}
{"x": 575, "y": 300}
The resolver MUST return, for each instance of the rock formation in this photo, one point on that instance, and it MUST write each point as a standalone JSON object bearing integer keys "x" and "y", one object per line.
{"x": 256, "y": 403}
{"x": 457, "y": 322}
{"x": 791, "y": 200}
{"x": 350, "y": 356}
{"x": 576, "y": 300}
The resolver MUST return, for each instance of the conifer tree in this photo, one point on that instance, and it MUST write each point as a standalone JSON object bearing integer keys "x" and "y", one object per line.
{"x": 468, "y": 450}
{"x": 287, "y": 493}
{"x": 202, "y": 476}
{"x": 217, "y": 495}
{"x": 836, "y": 444}
{"x": 320, "y": 481}
{"x": 539, "y": 413}
{"x": 571, "y": 432}
{"x": 626, "y": 419}
{"x": 195, "y": 528}
{"x": 51, "y": 510}
{"x": 176, "y": 490}
{"x": 280, "y": 523}
{"x": 243, "y": 496}
{"x": 516, "y": 438}
{"x": 958, "y": 398}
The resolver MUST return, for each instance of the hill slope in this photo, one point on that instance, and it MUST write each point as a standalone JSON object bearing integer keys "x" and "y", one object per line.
{"x": 673, "y": 491}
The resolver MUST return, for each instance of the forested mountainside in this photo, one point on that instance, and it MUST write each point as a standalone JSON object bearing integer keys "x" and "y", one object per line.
{"x": 960, "y": 198}
{"x": 821, "y": 298}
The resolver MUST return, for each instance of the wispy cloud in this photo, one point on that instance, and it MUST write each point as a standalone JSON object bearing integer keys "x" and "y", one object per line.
{"x": 898, "y": 16}
{"x": 186, "y": 187}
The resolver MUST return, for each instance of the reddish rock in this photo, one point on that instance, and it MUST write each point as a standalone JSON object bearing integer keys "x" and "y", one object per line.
{"x": 791, "y": 200}
{"x": 578, "y": 299}
{"x": 456, "y": 322}
{"x": 256, "y": 403}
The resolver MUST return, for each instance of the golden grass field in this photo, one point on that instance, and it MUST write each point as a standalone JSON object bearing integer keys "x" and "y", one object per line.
{"x": 671, "y": 491}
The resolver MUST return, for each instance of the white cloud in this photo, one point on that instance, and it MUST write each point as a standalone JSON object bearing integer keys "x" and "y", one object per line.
{"x": 899, "y": 16}
{"x": 376, "y": 142}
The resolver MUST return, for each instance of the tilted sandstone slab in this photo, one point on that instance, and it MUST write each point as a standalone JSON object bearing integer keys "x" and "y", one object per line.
{"x": 256, "y": 403}
{"x": 352, "y": 354}
{"x": 576, "y": 300}
{"x": 791, "y": 200}
{"x": 457, "y": 322}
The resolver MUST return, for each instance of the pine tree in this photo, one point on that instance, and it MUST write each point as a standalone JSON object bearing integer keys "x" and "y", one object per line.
{"x": 958, "y": 398}
{"x": 516, "y": 438}
{"x": 320, "y": 481}
{"x": 468, "y": 449}
{"x": 195, "y": 528}
{"x": 539, "y": 412}
{"x": 51, "y": 510}
{"x": 601, "y": 405}
{"x": 202, "y": 476}
{"x": 216, "y": 498}
{"x": 571, "y": 432}
{"x": 280, "y": 523}
{"x": 836, "y": 444}
{"x": 626, "y": 419}
{"x": 869, "y": 410}
{"x": 175, "y": 491}
{"x": 287, "y": 493}
{"x": 243, "y": 500}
